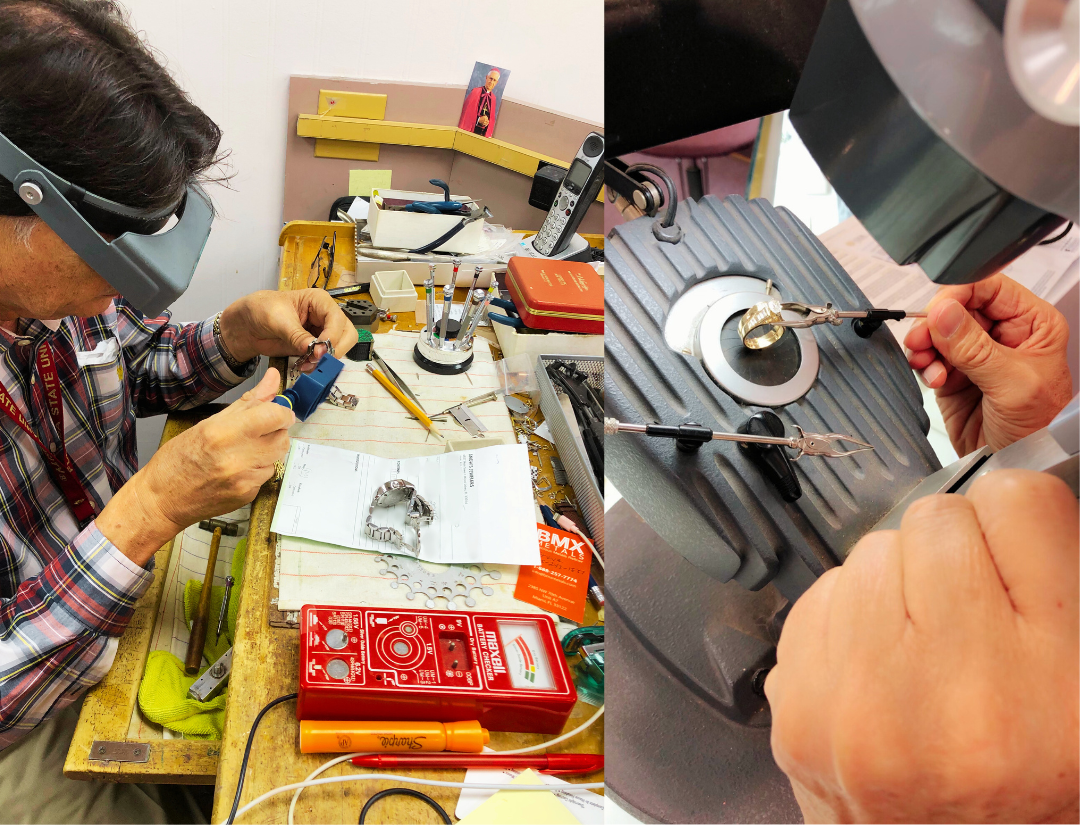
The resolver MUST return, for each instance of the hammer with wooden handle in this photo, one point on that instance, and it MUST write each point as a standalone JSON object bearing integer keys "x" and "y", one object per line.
{"x": 201, "y": 622}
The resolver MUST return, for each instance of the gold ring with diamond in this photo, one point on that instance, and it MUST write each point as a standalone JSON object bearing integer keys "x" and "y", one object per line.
{"x": 763, "y": 314}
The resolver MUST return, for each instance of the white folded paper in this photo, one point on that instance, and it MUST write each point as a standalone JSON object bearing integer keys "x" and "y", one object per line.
{"x": 482, "y": 499}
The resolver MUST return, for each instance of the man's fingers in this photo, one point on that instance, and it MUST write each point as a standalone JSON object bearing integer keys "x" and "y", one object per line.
{"x": 918, "y": 337}
{"x": 966, "y": 345}
{"x": 326, "y": 320}
{"x": 871, "y": 586}
{"x": 934, "y": 374}
{"x": 921, "y": 359}
{"x": 949, "y": 575}
{"x": 1029, "y": 520}
{"x": 806, "y": 626}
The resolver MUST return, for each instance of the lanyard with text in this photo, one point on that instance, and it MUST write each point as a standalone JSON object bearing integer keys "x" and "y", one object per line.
{"x": 63, "y": 470}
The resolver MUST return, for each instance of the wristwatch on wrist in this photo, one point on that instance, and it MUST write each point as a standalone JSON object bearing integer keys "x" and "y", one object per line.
{"x": 418, "y": 512}
{"x": 230, "y": 360}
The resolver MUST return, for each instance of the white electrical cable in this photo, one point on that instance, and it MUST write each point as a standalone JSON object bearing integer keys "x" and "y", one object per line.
{"x": 313, "y": 774}
{"x": 529, "y": 749}
{"x": 565, "y": 523}
{"x": 409, "y": 780}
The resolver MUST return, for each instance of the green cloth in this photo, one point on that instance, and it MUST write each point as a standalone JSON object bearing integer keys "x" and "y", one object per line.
{"x": 163, "y": 691}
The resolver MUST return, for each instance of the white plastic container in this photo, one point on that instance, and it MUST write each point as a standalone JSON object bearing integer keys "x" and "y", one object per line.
{"x": 392, "y": 229}
{"x": 534, "y": 342}
{"x": 393, "y": 291}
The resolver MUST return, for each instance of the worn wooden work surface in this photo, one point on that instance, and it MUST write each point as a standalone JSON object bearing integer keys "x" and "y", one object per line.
{"x": 265, "y": 666}
{"x": 109, "y": 705}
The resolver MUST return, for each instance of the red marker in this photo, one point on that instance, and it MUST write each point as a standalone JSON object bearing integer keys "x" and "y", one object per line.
{"x": 551, "y": 763}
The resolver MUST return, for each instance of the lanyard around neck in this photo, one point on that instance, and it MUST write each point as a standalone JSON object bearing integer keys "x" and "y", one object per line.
{"x": 56, "y": 456}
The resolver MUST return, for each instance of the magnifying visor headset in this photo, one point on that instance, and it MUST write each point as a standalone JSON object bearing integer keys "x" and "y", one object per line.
{"x": 149, "y": 267}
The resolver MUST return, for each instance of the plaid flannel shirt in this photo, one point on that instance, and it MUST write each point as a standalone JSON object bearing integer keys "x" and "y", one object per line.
{"x": 67, "y": 594}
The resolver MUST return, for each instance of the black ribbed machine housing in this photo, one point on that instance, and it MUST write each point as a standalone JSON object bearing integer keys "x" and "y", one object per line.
{"x": 714, "y": 507}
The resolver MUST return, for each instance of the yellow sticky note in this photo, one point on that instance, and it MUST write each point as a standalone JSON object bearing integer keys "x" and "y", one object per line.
{"x": 522, "y": 807}
{"x": 362, "y": 181}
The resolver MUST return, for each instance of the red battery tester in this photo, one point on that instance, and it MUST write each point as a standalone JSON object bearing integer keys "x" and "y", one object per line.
{"x": 505, "y": 670}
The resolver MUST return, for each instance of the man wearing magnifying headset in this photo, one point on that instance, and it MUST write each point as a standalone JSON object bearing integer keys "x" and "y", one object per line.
{"x": 102, "y": 223}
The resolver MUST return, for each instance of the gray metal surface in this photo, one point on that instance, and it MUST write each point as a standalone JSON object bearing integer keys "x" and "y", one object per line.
{"x": 888, "y": 157}
{"x": 946, "y": 480}
{"x": 714, "y": 507}
{"x": 576, "y": 463}
{"x": 1040, "y": 452}
{"x": 688, "y": 738}
{"x": 947, "y": 58}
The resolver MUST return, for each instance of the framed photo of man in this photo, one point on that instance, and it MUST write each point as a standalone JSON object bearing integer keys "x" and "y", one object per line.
{"x": 483, "y": 100}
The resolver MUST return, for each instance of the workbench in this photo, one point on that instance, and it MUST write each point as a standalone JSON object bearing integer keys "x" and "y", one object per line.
{"x": 265, "y": 666}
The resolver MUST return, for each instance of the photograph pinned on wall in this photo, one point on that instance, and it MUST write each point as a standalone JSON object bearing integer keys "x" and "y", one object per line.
{"x": 484, "y": 99}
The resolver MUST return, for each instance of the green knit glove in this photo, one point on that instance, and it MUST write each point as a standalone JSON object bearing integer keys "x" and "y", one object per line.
{"x": 163, "y": 691}
{"x": 163, "y": 699}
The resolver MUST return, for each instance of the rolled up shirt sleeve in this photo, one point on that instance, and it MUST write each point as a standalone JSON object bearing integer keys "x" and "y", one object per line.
{"x": 173, "y": 366}
{"x": 58, "y": 632}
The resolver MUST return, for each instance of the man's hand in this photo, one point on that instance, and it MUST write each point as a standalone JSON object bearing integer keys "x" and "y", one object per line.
{"x": 482, "y": 121}
{"x": 213, "y": 468}
{"x": 283, "y": 323}
{"x": 995, "y": 355}
{"x": 935, "y": 675}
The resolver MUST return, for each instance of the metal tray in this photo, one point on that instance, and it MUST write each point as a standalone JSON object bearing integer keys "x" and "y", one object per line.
{"x": 578, "y": 470}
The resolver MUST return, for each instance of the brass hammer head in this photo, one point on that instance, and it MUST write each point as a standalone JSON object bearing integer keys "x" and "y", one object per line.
{"x": 228, "y": 528}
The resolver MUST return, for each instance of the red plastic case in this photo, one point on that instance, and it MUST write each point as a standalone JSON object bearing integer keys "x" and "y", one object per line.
{"x": 567, "y": 296}
{"x": 506, "y": 670}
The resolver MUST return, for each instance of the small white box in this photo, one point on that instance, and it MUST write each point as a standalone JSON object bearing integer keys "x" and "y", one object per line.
{"x": 395, "y": 229}
{"x": 393, "y": 291}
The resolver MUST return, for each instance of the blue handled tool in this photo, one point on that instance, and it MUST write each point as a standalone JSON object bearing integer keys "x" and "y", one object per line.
{"x": 443, "y": 207}
{"x": 549, "y": 516}
{"x": 311, "y": 389}
{"x": 510, "y": 319}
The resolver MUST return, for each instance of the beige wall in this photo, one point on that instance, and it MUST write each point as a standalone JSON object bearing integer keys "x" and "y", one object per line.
{"x": 312, "y": 184}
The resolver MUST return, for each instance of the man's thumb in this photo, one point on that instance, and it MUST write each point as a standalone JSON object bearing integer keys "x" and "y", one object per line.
{"x": 268, "y": 387}
{"x": 967, "y": 346}
{"x": 264, "y": 390}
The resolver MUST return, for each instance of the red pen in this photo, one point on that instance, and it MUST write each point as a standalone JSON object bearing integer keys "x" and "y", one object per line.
{"x": 551, "y": 763}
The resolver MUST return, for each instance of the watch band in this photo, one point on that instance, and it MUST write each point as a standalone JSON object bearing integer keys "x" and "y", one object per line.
{"x": 418, "y": 512}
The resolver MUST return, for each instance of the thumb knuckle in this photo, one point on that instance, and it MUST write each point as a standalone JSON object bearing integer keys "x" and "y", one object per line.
{"x": 927, "y": 512}
{"x": 976, "y": 350}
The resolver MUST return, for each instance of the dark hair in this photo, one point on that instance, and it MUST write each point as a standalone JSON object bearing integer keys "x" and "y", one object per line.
{"x": 82, "y": 95}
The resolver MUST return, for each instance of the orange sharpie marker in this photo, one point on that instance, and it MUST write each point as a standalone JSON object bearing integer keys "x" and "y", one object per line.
{"x": 344, "y": 737}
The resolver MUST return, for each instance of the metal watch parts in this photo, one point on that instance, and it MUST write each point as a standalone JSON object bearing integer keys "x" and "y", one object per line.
{"x": 418, "y": 512}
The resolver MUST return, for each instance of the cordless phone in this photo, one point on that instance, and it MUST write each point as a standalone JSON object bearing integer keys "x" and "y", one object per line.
{"x": 577, "y": 191}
